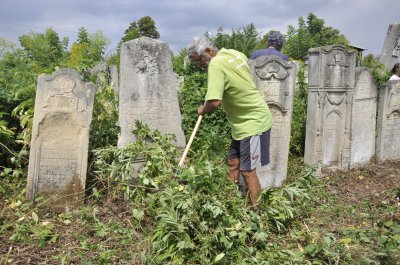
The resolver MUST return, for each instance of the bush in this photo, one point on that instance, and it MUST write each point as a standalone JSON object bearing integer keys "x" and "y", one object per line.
{"x": 299, "y": 115}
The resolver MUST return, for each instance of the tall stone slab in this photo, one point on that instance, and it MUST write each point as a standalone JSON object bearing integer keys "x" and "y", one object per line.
{"x": 388, "y": 125}
{"x": 391, "y": 47}
{"x": 330, "y": 85}
{"x": 114, "y": 78}
{"x": 148, "y": 90}
{"x": 276, "y": 80}
{"x": 363, "y": 123}
{"x": 60, "y": 138}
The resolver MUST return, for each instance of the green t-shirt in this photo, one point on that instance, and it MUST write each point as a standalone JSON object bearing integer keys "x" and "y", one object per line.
{"x": 229, "y": 80}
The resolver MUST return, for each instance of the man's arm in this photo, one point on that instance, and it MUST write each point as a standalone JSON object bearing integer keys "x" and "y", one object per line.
{"x": 209, "y": 106}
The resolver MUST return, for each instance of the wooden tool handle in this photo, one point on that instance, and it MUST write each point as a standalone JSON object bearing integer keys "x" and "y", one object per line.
{"x": 190, "y": 140}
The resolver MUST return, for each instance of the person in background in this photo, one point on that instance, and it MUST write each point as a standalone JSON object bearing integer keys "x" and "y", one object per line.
{"x": 395, "y": 72}
{"x": 231, "y": 84}
{"x": 275, "y": 43}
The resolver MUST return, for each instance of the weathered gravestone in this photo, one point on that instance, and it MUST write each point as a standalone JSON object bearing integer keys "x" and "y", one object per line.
{"x": 276, "y": 79}
{"x": 331, "y": 81}
{"x": 60, "y": 136}
{"x": 100, "y": 69}
{"x": 363, "y": 118}
{"x": 388, "y": 125}
{"x": 114, "y": 78}
{"x": 391, "y": 48}
{"x": 148, "y": 90}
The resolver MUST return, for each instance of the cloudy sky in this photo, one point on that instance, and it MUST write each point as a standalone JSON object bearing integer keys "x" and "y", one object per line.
{"x": 363, "y": 22}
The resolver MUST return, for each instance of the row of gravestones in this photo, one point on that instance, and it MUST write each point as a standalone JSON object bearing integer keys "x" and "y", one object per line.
{"x": 340, "y": 122}
{"x": 63, "y": 113}
{"x": 342, "y": 130}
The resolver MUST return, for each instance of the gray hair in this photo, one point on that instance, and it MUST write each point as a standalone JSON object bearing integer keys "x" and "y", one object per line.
{"x": 199, "y": 44}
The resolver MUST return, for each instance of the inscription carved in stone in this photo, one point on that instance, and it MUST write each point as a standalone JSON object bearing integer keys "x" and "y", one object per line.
{"x": 331, "y": 83}
{"x": 60, "y": 137}
{"x": 332, "y": 139}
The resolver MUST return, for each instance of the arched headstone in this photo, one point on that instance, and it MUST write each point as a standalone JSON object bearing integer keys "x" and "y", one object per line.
{"x": 60, "y": 138}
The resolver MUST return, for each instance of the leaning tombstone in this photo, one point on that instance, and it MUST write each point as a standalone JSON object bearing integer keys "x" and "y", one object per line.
{"x": 148, "y": 90}
{"x": 388, "y": 125}
{"x": 330, "y": 84}
{"x": 363, "y": 118}
{"x": 60, "y": 137}
{"x": 276, "y": 79}
{"x": 391, "y": 48}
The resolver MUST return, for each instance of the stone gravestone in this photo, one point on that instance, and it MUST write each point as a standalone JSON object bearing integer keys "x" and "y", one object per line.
{"x": 331, "y": 82}
{"x": 114, "y": 78}
{"x": 60, "y": 138}
{"x": 391, "y": 48}
{"x": 276, "y": 79}
{"x": 148, "y": 90}
{"x": 388, "y": 125}
{"x": 100, "y": 69}
{"x": 363, "y": 118}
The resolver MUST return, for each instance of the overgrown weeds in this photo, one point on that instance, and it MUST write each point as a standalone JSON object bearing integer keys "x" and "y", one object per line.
{"x": 156, "y": 220}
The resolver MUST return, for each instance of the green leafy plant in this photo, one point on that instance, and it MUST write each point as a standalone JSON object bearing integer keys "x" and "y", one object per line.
{"x": 299, "y": 116}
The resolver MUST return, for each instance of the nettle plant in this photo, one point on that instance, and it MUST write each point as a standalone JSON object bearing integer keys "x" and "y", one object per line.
{"x": 205, "y": 220}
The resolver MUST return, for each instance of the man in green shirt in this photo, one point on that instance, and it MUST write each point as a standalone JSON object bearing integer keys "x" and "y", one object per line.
{"x": 231, "y": 84}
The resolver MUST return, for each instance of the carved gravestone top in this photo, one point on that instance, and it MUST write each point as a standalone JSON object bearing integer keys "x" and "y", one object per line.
{"x": 60, "y": 136}
{"x": 391, "y": 48}
{"x": 148, "y": 90}
{"x": 332, "y": 67}
{"x": 331, "y": 80}
{"x": 276, "y": 78}
{"x": 271, "y": 76}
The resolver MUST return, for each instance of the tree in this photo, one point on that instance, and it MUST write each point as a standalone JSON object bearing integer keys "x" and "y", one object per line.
{"x": 45, "y": 49}
{"x": 83, "y": 36}
{"x": 312, "y": 33}
{"x": 144, "y": 27}
{"x": 87, "y": 50}
{"x": 147, "y": 27}
{"x": 131, "y": 33}
{"x": 5, "y": 46}
{"x": 245, "y": 39}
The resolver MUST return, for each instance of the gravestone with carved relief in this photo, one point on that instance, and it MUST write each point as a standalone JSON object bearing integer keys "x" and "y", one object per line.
{"x": 60, "y": 138}
{"x": 331, "y": 82}
{"x": 276, "y": 79}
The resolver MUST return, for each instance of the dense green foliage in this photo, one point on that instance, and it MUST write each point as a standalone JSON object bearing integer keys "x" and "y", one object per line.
{"x": 205, "y": 220}
{"x": 245, "y": 39}
{"x": 309, "y": 34}
{"x": 299, "y": 115}
{"x": 379, "y": 71}
{"x": 87, "y": 50}
{"x": 144, "y": 27}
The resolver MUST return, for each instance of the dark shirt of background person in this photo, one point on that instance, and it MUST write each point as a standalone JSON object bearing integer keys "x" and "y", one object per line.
{"x": 275, "y": 43}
